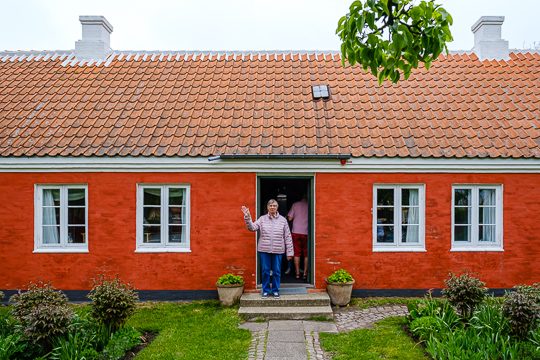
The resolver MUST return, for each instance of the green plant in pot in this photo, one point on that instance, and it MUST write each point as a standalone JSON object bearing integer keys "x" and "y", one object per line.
{"x": 339, "y": 287}
{"x": 230, "y": 287}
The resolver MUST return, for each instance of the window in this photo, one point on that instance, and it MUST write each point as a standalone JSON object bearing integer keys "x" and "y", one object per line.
{"x": 398, "y": 218}
{"x": 477, "y": 217}
{"x": 320, "y": 92}
{"x": 163, "y": 218}
{"x": 61, "y": 214}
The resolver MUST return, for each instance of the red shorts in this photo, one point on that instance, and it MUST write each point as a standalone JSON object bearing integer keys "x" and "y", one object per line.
{"x": 300, "y": 245}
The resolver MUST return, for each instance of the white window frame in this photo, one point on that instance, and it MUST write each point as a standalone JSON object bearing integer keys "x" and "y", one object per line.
{"x": 64, "y": 246}
{"x": 164, "y": 246}
{"x": 475, "y": 244}
{"x": 398, "y": 246}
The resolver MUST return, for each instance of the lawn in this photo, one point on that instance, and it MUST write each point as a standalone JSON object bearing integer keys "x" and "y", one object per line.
{"x": 387, "y": 340}
{"x": 198, "y": 330}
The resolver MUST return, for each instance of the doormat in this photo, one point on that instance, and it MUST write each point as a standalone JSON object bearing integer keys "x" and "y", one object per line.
{"x": 293, "y": 290}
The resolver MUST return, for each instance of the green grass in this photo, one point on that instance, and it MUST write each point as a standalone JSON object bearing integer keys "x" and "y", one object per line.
{"x": 386, "y": 341}
{"x": 364, "y": 303}
{"x": 198, "y": 330}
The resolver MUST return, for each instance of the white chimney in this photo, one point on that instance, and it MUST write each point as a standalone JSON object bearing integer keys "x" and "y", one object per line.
{"x": 487, "y": 38}
{"x": 96, "y": 38}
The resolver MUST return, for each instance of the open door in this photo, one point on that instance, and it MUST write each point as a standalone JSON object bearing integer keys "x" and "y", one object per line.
{"x": 287, "y": 190}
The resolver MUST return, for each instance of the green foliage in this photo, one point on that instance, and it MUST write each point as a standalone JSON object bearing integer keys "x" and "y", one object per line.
{"x": 184, "y": 331}
{"x": 7, "y": 324}
{"x": 120, "y": 342}
{"x": 386, "y": 340}
{"x": 423, "y": 327}
{"x": 340, "y": 276}
{"x": 43, "y": 313}
{"x": 10, "y": 345}
{"x": 391, "y": 37}
{"x": 522, "y": 309}
{"x": 78, "y": 345}
{"x": 465, "y": 292}
{"x": 440, "y": 314}
{"x": 230, "y": 279}
{"x": 2, "y": 295}
{"x": 485, "y": 336}
{"x": 113, "y": 302}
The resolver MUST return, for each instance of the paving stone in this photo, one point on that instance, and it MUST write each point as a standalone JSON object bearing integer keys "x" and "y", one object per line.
{"x": 275, "y": 336}
{"x": 285, "y": 325}
{"x": 320, "y": 326}
{"x": 286, "y": 351}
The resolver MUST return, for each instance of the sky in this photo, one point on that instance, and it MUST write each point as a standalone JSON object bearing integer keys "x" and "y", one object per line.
{"x": 232, "y": 24}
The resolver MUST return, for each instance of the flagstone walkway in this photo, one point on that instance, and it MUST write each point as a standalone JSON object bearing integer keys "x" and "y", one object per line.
{"x": 299, "y": 339}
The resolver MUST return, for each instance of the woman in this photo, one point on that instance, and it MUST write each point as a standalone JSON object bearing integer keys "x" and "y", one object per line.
{"x": 275, "y": 239}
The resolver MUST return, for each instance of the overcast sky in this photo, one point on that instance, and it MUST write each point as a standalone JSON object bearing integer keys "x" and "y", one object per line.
{"x": 232, "y": 24}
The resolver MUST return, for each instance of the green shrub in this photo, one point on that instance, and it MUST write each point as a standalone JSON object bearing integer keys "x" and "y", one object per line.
{"x": 7, "y": 324}
{"x": 522, "y": 309}
{"x": 340, "y": 276}
{"x": 113, "y": 302}
{"x": 424, "y": 327}
{"x": 11, "y": 345}
{"x": 76, "y": 345}
{"x": 230, "y": 279}
{"x": 43, "y": 313}
{"x": 465, "y": 293}
{"x": 2, "y": 295}
{"x": 120, "y": 342}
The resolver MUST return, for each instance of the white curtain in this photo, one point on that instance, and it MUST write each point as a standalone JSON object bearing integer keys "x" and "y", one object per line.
{"x": 412, "y": 218}
{"x": 488, "y": 215}
{"x": 50, "y": 233}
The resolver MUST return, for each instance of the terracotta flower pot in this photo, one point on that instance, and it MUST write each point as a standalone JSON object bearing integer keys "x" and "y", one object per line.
{"x": 340, "y": 293}
{"x": 229, "y": 294}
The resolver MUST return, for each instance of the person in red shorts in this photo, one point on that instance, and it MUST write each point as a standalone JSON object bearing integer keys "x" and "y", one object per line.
{"x": 299, "y": 217}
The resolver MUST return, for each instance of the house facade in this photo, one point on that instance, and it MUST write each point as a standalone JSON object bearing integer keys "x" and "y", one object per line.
{"x": 136, "y": 164}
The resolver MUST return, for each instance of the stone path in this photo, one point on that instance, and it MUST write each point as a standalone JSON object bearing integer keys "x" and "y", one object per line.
{"x": 299, "y": 339}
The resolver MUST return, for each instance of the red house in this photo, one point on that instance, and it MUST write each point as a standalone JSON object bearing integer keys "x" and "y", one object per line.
{"x": 137, "y": 164}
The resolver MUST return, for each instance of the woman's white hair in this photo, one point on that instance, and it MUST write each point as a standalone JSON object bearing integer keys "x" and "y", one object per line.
{"x": 272, "y": 201}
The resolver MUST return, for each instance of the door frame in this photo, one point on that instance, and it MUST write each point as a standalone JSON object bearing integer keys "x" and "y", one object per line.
{"x": 311, "y": 239}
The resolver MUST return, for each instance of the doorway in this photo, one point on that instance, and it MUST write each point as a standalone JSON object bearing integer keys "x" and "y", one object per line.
{"x": 287, "y": 190}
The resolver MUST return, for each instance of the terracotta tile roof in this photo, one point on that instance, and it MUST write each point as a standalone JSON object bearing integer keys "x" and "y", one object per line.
{"x": 196, "y": 104}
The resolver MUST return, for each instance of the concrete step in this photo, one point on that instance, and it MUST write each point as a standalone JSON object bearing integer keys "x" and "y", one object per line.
{"x": 286, "y": 312}
{"x": 299, "y": 300}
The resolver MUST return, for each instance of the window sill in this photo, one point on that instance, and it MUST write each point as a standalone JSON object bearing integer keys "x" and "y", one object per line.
{"x": 466, "y": 249}
{"x": 162, "y": 250}
{"x": 398, "y": 249}
{"x": 61, "y": 251}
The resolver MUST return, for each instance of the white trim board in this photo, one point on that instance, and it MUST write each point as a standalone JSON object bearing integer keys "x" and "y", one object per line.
{"x": 202, "y": 164}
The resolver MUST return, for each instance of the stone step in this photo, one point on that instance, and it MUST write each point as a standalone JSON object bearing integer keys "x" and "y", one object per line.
{"x": 286, "y": 312}
{"x": 300, "y": 300}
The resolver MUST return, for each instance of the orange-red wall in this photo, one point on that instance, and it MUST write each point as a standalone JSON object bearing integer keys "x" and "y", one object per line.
{"x": 220, "y": 243}
{"x": 343, "y": 215}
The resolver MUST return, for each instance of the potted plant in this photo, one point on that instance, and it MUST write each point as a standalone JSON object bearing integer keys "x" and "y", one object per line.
{"x": 230, "y": 287}
{"x": 339, "y": 287}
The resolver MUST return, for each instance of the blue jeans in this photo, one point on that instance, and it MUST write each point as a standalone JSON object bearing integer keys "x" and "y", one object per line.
{"x": 270, "y": 262}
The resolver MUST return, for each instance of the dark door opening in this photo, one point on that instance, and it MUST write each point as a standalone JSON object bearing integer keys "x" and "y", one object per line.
{"x": 288, "y": 190}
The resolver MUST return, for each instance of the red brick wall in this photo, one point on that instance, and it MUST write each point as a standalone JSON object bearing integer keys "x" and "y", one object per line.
{"x": 219, "y": 241}
{"x": 344, "y": 232}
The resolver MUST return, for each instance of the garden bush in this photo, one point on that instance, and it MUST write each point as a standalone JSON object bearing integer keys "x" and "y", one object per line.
{"x": 230, "y": 279}
{"x": 340, "y": 276}
{"x": 120, "y": 342}
{"x": 43, "y": 313}
{"x": 465, "y": 292}
{"x": 113, "y": 302}
{"x": 522, "y": 309}
{"x": 11, "y": 345}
